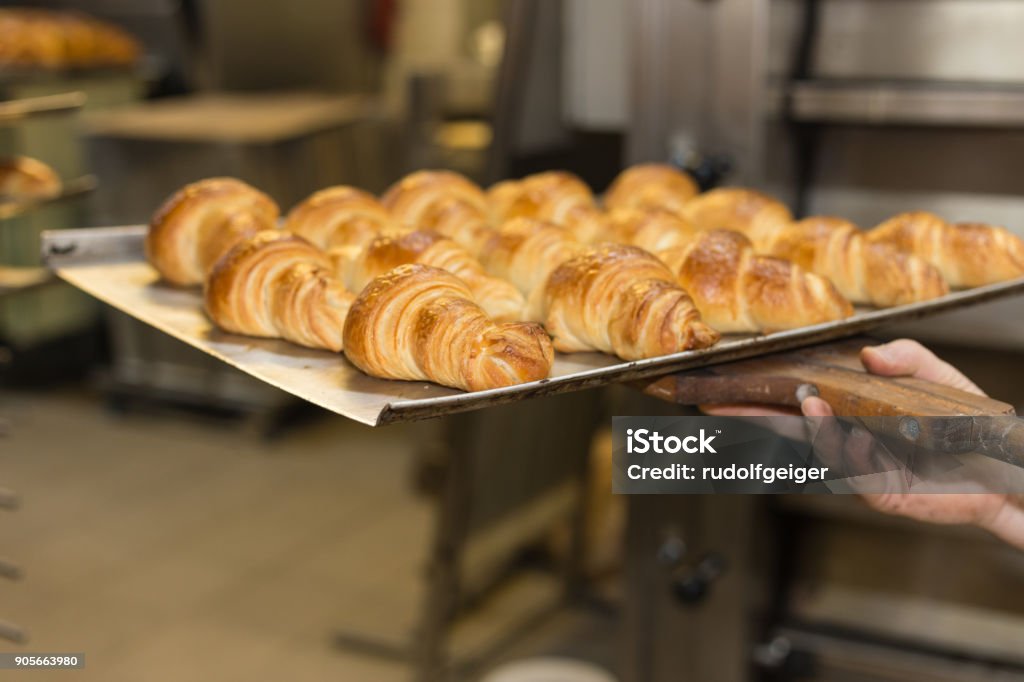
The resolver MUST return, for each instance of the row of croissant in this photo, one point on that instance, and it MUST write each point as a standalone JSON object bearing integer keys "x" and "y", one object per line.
{"x": 442, "y": 281}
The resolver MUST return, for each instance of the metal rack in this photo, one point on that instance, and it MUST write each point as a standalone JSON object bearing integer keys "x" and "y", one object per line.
{"x": 901, "y": 103}
{"x": 14, "y": 279}
{"x": 16, "y": 111}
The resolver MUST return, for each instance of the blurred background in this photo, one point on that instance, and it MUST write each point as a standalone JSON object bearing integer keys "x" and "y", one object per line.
{"x": 174, "y": 519}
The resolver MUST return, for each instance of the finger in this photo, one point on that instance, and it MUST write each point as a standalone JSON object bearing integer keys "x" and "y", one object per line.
{"x": 824, "y": 432}
{"x": 908, "y": 358}
{"x": 858, "y": 452}
{"x": 747, "y": 411}
{"x": 1006, "y": 523}
{"x": 816, "y": 407}
{"x": 995, "y": 513}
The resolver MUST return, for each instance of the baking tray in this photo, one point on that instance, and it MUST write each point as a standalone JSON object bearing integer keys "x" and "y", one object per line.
{"x": 107, "y": 263}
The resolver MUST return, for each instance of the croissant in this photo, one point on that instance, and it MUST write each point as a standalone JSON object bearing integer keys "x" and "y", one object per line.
{"x": 339, "y": 216}
{"x": 444, "y": 202}
{"x": 501, "y": 197}
{"x": 738, "y": 291}
{"x": 651, "y": 186}
{"x": 200, "y": 222}
{"x": 356, "y": 267}
{"x": 57, "y": 39}
{"x": 419, "y": 323}
{"x": 22, "y": 178}
{"x": 622, "y": 300}
{"x": 862, "y": 271}
{"x": 653, "y": 230}
{"x": 967, "y": 254}
{"x": 828, "y": 247}
{"x": 524, "y": 252}
{"x": 276, "y": 285}
{"x": 756, "y": 215}
{"x": 554, "y": 196}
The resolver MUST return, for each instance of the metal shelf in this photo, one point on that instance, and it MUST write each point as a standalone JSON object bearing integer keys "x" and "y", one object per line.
{"x": 15, "y": 111}
{"x": 908, "y": 103}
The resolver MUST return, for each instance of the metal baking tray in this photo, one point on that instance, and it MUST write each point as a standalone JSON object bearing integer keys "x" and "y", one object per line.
{"x": 107, "y": 263}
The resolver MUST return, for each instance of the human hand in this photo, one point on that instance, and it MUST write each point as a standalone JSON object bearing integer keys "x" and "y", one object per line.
{"x": 1000, "y": 514}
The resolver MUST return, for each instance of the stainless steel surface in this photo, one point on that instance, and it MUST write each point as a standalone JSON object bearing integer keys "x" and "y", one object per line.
{"x": 942, "y": 40}
{"x": 908, "y": 103}
{"x": 326, "y": 379}
{"x": 698, "y": 82}
{"x": 528, "y": 114}
{"x": 654, "y": 116}
{"x": 838, "y": 657}
{"x": 62, "y": 248}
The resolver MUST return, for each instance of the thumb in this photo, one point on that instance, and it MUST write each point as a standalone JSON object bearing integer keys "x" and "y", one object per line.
{"x": 816, "y": 407}
{"x": 908, "y": 358}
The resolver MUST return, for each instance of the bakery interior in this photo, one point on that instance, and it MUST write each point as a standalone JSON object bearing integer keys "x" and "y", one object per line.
{"x": 172, "y": 517}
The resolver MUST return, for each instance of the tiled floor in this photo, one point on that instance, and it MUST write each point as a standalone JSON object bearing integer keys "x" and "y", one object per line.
{"x": 167, "y": 548}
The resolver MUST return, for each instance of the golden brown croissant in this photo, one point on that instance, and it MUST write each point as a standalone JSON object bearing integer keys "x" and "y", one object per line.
{"x": 756, "y": 215}
{"x": 525, "y": 252}
{"x": 653, "y": 230}
{"x": 419, "y": 323}
{"x": 339, "y": 216}
{"x": 53, "y": 39}
{"x": 554, "y": 196}
{"x": 622, "y": 300}
{"x": 22, "y": 178}
{"x": 501, "y": 196}
{"x": 276, "y": 285}
{"x": 442, "y": 201}
{"x": 967, "y": 254}
{"x": 651, "y": 186}
{"x": 202, "y": 221}
{"x": 828, "y": 247}
{"x": 356, "y": 267}
{"x": 739, "y": 291}
{"x": 862, "y": 271}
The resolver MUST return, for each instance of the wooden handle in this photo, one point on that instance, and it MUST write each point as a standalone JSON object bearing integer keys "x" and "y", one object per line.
{"x": 834, "y": 372}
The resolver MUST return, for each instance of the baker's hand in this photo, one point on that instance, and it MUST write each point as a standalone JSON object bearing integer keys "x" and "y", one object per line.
{"x": 999, "y": 514}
